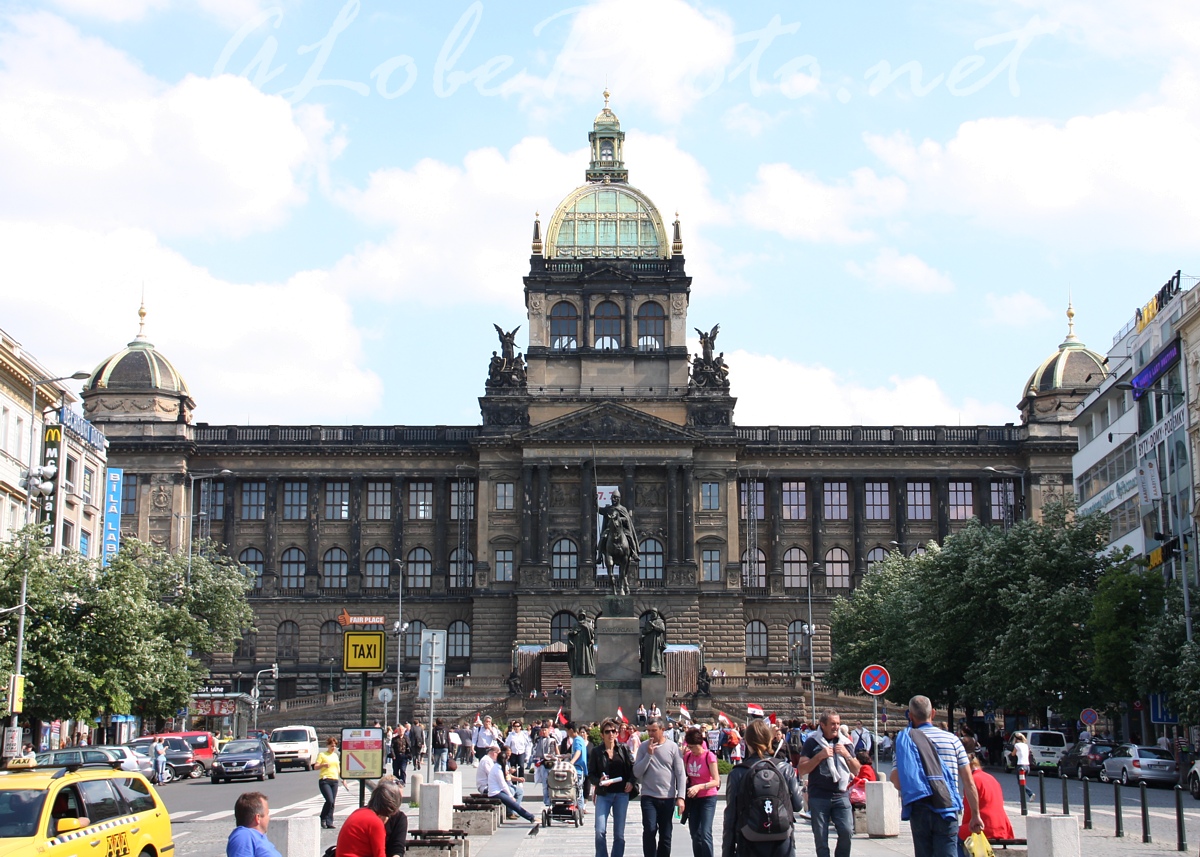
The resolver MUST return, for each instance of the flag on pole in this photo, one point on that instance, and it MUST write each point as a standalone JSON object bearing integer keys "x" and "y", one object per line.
{"x": 560, "y": 717}
{"x": 685, "y": 714}
{"x": 753, "y": 709}
{"x": 771, "y": 717}
{"x": 621, "y": 715}
{"x": 721, "y": 718}
{"x": 478, "y": 719}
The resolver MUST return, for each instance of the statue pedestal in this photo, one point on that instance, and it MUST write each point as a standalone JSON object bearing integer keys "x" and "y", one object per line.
{"x": 618, "y": 680}
{"x": 583, "y": 697}
{"x": 617, "y": 606}
{"x": 654, "y": 690}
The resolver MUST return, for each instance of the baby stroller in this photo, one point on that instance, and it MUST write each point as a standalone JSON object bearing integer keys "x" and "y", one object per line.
{"x": 560, "y": 782}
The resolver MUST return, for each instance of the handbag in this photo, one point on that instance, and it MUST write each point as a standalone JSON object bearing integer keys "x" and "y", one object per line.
{"x": 977, "y": 845}
{"x": 857, "y": 793}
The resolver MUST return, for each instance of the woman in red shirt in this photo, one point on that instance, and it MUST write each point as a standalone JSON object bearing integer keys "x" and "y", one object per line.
{"x": 991, "y": 807}
{"x": 363, "y": 833}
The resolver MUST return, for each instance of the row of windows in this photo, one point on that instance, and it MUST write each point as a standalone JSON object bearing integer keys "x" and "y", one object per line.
{"x": 335, "y": 566}
{"x": 836, "y": 500}
{"x": 336, "y": 504}
{"x": 1106, "y": 471}
{"x": 606, "y": 326}
{"x": 329, "y": 642}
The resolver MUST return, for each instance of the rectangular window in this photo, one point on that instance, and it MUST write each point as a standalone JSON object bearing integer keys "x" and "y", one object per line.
{"x": 462, "y": 500}
{"x": 295, "y": 501}
{"x": 504, "y": 565}
{"x": 379, "y": 501}
{"x": 752, "y": 493}
{"x": 920, "y": 506}
{"x": 878, "y": 506}
{"x": 710, "y": 496}
{"x": 129, "y": 494}
{"x": 837, "y": 502}
{"x": 71, "y": 474}
{"x": 254, "y": 500}
{"x": 420, "y": 501}
{"x": 505, "y": 492}
{"x": 216, "y": 501}
{"x": 1002, "y": 502}
{"x": 795, "y": 501}
{"x": 337, "y": 501}
{"x": 68, "y": 536}
{"x": 962, "y": 504}
{"x": 85, "y": 543}
{"x": 88, "y": 485}
{"x": 711, "y": 564}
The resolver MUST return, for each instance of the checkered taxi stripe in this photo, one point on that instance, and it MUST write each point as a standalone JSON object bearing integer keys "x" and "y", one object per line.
{"x": 88, "y": 831}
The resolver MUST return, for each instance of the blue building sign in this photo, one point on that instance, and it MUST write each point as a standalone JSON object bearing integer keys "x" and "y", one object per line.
{"x": 112, "y": 514}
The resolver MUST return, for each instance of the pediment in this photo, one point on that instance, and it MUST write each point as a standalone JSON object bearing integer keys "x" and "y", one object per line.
{"x": 609, "y": 272}
{"x": 608, "y": 423}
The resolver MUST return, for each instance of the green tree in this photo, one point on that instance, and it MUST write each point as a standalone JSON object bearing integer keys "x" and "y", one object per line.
{"x": 1127, "y": 603}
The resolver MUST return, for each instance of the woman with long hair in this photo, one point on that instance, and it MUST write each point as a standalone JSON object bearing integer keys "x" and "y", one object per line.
{"x": 329, "y": 771}
{"x": 758, "y": 748}
{"x": 610, "y": 771}
{"x": 364, "y": 833}
{"x": 703, "y": 783}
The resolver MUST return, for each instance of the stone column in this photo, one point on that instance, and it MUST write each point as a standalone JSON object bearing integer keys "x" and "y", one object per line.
{"x": 858, "y": 508}
{"x": 630, "y": 340}
{"x": 398, "y": 520}
{"x": 900, "y": 500}
{"x": 775, "y": 515}
{"x": 227, "y": 524}
{"x": 941, "y": 499}
{"x": 526, "y": 514}
{"x": 313, "y": 568}
{"x": 816, "y": 487}
{"x": 356, "y": 504}
{"x": 983, "y": 502}
{"x": 543, "y": 513}
{"x": 441, "y": 514}
{"x": 627, "y": 489}
{"x": 689, "y": 536}
{"x": 672, "y": 514}
{"x": 585, "y": 320}
{"x": 587, "y": 514}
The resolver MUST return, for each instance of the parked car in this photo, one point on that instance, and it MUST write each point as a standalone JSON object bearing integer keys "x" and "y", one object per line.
{"x": 77, "y": 756}
{"x": 1046, "y": 749}
{"x": 295, "y": 745}
{"x": 1193, "y": 780}
{"x": 203, "y": 746}
{"x": 244, "y": 758}
{"x": 1085, "y": 759}
{"x": 1130, "y": 763}
{"x": 181, "y": 762}
{"x": 131, "y": 761}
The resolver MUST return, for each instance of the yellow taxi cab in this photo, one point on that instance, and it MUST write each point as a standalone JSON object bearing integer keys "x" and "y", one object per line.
{"x": 90, "y": 810}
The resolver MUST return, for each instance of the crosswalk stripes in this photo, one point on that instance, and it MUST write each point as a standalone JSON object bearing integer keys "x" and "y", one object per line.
{"x": 307, "y": 807}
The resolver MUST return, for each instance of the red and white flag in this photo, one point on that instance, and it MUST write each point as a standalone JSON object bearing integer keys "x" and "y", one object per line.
{"x": 721, "y": 718}
{"x": 685, "y": 714}
{"x": 621, "y": 715}
{"x": 753, "y": 709}
{"x": 478, "y": 719}
{"x": 560, "y": 717}
{"x": 771, "y": 717}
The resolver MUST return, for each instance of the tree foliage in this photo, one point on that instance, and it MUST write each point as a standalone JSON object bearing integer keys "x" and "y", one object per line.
{"x": 126, "y": 638}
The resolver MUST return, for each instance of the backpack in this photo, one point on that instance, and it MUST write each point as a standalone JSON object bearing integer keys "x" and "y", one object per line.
{"x": 764, "y": 807}
{"x": 795, "y": 742}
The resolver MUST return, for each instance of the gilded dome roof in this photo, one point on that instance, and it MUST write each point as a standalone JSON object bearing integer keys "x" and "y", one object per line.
{"x": 1072, "y": 367}
{"x": 138, "y": 367}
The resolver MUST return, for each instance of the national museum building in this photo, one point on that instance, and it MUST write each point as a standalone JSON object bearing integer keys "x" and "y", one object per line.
{"x": 745, "y": 532}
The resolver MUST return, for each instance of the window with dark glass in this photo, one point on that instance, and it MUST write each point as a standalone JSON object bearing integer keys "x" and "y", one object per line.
{"x": 216, "y": 501}
{"x": 837, "y": 501}
{"x": 564, "y": 560}
{"x": 875, "y": 555}
{"x": 710, "y": 561}
{"x": 129, "y": 493}
{"x": 752, "y": 492}
{"x": 710, "y": 496}
{"x": 795, "y": 568}
{"x": 795, "y": 501}
{"x": 247, "y": 647}
{"x": 920, "y": 505}
{"x": 252, "y": 560}
{"x": 650, "y": 566}
{"x": 652, "y": 327}
{"x": 462, "y": 500}
{"x": 70, "y": 474}
{"x": 287, "y": 641}
{"x": 462, "y": 569}
{"x": 878, "y": 501}
{"x": 564, "y": 327}
{"x": 560, "y": 625}
{"x": 504, "y": 565}
{"x": 754, "y": 569}
{"x": 756, "y": 639}
{"x": 292, "y": 566}
{"x": 606, "y": 323}
{"x": 412, "y": 639}
{"x": 505, "y": 494}
{"x": 377, "y": 569}
{"x": 420, "y": 569}
{"x": 330, "y": 642}
{"x": 379, "y": 501}
{"x": 334, "y": 567}
{"x": 837, "y": 569}
{"x": 88, "y": 486}
{"x": 1002, "y": 497}
{"x": 796, "y": 635}
{"x": 254, "y": 501}
{"x": 420, "y": 501}
{"x": 337, "y": 501}
{"x": 606, "y": 150}
{"x": 458, "y": 640}
{"x": 962, "y": 501}
{"x": 295, "y": 501}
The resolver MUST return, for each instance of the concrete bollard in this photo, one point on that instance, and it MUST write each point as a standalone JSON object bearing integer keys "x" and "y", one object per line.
{"x": 298, "y": 836}
{"x": 414, "y": 787}
{"x": 883, "y": 810}
{"x": 437, "y": 806}
{"x": 454, "y": 778}
{"x": 1053, "y": 836}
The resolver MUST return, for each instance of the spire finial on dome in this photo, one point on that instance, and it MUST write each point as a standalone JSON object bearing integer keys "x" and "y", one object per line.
{"x": 606, "y": 96}
{"x": 142, "y": 317}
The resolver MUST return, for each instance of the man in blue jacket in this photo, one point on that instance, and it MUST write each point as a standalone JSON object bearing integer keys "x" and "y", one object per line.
{"x": 932, "y": 812}
{"x": 249, "y": 838}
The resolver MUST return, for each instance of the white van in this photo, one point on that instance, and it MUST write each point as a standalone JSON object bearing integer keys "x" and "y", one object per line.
{"x": 1046, "y": 749}
{"x": 295, "y": 745}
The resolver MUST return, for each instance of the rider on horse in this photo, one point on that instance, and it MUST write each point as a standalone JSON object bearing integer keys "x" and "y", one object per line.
{"x": 618, "y": 543}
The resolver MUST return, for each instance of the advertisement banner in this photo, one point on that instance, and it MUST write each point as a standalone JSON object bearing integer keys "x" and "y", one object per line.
{"x": 603, "y": 498}
{"x": 112, "y": 514}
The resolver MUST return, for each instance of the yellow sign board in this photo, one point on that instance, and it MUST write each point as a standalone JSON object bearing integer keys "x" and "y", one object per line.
{"x": 362, "y": 754}
{"x": 363, "y": 651}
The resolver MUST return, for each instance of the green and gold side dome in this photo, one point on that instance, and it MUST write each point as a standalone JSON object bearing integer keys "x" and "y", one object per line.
{"x": 606, "y": 218}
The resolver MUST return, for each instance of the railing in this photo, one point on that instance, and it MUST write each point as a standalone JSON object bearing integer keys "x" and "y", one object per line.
{"x": 652, "y": 583}
{"x": 628, "y": 391}
{"x": 879, "y": 434}
{"x": 334, "y": 434}
{"x": 754, "y": 590}
{"x": 564, "y": 583}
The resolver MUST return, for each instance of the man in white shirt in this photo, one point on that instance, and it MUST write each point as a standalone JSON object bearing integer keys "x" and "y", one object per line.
{"x": 484, "y": 771}
{"x": 861, "y": 738}
{"x": 484, "y": 736}
{"x": 520, "y": 745}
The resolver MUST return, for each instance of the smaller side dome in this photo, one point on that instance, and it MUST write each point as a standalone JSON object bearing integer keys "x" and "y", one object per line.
{"x": 1062, "y": 381}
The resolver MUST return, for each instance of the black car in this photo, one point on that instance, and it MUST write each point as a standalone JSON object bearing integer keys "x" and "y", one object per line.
{"x": 181, "y": 761}
{"x": 1085, "y": 759}
{"x": 244, "y": 758}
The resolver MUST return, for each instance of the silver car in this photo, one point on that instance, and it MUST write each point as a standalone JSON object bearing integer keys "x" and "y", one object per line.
{"x": 131, "y": 761}
{"x": 1130, "y": 763}
{"x": 77, "y": 756}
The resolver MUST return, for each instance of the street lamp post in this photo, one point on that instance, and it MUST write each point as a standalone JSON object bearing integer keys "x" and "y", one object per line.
{"x": 192, "y": 477}
{"x": 399, "y": 628}
{"x": 808, "y": 629}
{"x": 1010, "y": 512}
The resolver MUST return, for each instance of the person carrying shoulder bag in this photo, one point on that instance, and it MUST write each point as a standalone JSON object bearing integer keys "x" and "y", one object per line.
{"x": 610, "y": 770}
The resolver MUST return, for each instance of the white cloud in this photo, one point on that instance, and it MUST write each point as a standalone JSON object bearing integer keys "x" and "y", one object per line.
{"x": 892, "y": 270}
{"x": 748, "y": 119}
{"x": 1018, "y": 309}
{"x": 84, "y": 123}
{"x": 229, "y": 12}
{"x": 249, "y": 351}
{"x": 799, "y": 205}
{"x": 819, "y": 396}
{"x": 1122, "y": 28}
{"x": 664, "y": 55}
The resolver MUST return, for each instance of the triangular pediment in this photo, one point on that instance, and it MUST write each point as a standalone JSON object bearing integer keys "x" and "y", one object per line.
{"x": 608, "y": 422}
{"x": 609, "y": 272}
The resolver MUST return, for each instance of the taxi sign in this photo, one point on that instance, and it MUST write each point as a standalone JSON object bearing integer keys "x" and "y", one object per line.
{"x": 875, "y": 680}
{"x": 363, "y": 651}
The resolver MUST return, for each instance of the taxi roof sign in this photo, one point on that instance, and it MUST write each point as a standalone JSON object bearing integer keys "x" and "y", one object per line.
{"x": 364, "y": 651}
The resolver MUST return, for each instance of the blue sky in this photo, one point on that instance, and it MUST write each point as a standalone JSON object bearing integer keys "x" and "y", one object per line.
{"x": 885, "y": 206}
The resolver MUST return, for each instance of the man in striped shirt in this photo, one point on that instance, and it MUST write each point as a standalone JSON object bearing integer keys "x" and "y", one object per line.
{"x": 934, "y": 827}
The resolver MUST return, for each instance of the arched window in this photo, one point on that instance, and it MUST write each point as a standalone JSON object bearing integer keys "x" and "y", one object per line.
{"x": 458, "y": 640}
{"x": 291, "y": 568}
{"x": 606, "y": 322}
{"x": 756, "y": 639}
{"x": 754, "y": 572}
{"x": 876, "y": 555}
{"x": 252, "y": 560}
{"x": 420, "y": 569}
{"x": 606, "y": 151}
{"x": 334, "y": 566}
{"x": 462, "y": 571}
{"x": 651, "y": 327}
{"x": 837, "y": 569}
{"x": 650, "y": 566}
{"x": 412, "y": 640}
{"x": 795, "y": 568}
{"x": 560, "y": 624}
{"x": 287, "y": 641}
{"x": 796, "y": 635}
{"x": 564, "y": 327}
{"x": 378, "y": 569}
{"x": 564, "y": 560}
{"x": 331, "y": 643}
{"x": 247, "y": 648}
{"x": 919, "y": 550}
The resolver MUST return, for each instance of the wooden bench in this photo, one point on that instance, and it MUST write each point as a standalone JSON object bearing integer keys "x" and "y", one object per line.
{"x": 1004, "y": 843}
{"x": 438, "y": 842}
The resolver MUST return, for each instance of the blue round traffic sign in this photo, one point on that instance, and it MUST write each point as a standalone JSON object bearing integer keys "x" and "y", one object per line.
{"x": 1089, "y": 716}
{"x": 875, "y": 680}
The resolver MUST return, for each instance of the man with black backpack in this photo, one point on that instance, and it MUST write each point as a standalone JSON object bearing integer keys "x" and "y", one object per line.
{"x": 830, "y": 767}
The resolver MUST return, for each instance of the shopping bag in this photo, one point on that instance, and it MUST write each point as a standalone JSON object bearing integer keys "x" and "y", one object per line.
{"x": 977, "y": 845}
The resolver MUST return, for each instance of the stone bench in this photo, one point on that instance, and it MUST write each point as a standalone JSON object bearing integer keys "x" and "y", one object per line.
{"x": 486, "y": 803}
{"x": 477, "y": 821}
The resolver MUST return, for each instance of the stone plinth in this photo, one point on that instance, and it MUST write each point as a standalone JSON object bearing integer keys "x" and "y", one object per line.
{"x": 654, "y": 690}
{"x": 618, "y": 680}
{"x": 437, "y": 806}
{"x": 299, "y": 836}
{"x": 583, "y": 697}
{"x": 883, "y": 810}
{"x": 454, "y": 779}
{"x": 1052, "y": 835}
